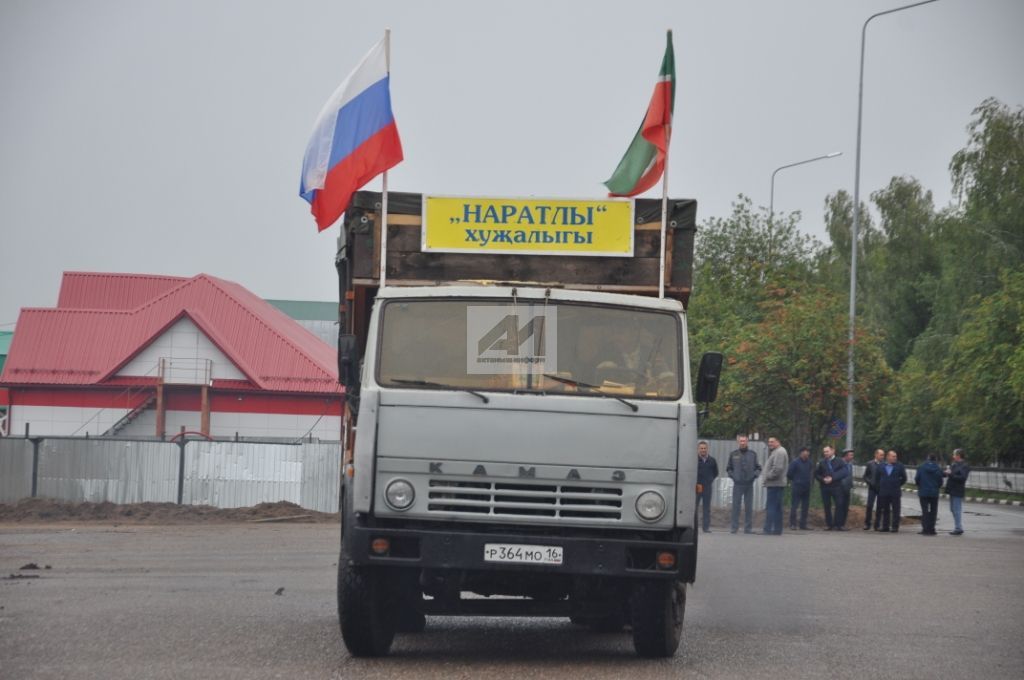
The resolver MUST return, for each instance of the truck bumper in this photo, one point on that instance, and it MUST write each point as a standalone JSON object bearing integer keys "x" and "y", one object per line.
{"x": 463, "y": 549}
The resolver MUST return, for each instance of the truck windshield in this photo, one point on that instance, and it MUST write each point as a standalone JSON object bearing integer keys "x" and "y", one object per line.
{"x": 530, "y": 346}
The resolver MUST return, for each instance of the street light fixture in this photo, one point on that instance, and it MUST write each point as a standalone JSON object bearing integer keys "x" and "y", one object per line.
{"x": 856, "y": 219}
{"x": 771, "y": 201}
{"x": 771, "y": 204}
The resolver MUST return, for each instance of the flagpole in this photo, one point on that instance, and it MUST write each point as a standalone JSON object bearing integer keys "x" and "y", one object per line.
{"x": 664, "y": 215}
{"x": 384, "y": 188}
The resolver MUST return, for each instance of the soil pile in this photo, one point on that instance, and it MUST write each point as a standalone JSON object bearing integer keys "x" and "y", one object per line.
{"x": 49, "y": 510}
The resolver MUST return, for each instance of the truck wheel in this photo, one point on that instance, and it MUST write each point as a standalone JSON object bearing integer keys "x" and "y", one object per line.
{"x": 656, "y": 609}
{"x": 410, "y": 621}
{"x": 366, "y": 609}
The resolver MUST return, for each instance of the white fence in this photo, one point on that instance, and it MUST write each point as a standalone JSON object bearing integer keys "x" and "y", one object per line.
{"x": 221, "y": 474}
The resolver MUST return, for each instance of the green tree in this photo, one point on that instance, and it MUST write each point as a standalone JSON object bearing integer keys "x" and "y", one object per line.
{"x": 960, "y": 383}
{"x": 788, "y": 377}
{"x": 983, "y": 377}
{"x": 737, "y": 260}
{"x": 836, "y": 257}
{"x": 903, "y": 272}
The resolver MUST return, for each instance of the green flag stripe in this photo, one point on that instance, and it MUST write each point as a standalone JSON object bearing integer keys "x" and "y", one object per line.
{"x": 641, "y": 154}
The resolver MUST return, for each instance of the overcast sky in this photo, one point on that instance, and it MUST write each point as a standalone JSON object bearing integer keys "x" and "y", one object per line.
{"x": 167, "y": 137}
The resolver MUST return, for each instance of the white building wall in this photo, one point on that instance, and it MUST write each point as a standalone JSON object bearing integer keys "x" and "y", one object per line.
{"x": 75, "y": 421}
{"x": 258, "y": 425}
{"x": 69, "y": 421}
{"x": 182, "y": 341}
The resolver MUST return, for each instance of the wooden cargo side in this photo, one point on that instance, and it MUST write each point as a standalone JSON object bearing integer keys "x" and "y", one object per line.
{"x": 359, "y": 250}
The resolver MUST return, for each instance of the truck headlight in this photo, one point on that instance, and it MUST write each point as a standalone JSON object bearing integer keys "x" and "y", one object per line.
{"x": 650, "y": 505}
{"x": 399, "y": 494}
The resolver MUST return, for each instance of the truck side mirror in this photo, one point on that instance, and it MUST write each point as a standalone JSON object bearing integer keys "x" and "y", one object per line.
{"x": 707, "y": 377}
{"x": 348, "y": 363}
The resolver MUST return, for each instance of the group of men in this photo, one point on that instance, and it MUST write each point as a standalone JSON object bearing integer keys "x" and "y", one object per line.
{"x": 884, "y": 477}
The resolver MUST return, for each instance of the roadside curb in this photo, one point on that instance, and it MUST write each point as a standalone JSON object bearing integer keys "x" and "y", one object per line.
{"x": 969, "y": 499}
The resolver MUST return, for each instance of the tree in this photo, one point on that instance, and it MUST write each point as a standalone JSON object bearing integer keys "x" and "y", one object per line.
{"x": 836, "y": 258}
{"x": 983, "y": 377}
{"x": 962, "y": 381}
{"x": 904, "y": 271}
{"x": 737, "y": 260}
{"x": 788, "y": 377}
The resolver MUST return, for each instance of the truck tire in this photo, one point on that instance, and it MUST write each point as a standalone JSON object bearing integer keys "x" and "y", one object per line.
{"x": 366, "y": 609}
{"x": 656, "y": 612}
{"x": 410, "y": 621}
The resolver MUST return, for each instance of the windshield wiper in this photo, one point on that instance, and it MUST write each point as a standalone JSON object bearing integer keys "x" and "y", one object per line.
{"x": 595, "y": 388}
{"x": 427, "y": 383}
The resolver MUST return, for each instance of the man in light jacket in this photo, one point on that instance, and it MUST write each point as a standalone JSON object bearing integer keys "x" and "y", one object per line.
{"x": 742, "y": 469}
{"x": 775, "y": 485}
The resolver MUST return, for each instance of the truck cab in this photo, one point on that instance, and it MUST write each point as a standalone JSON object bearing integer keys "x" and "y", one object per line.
{"x": 514, "y": 449}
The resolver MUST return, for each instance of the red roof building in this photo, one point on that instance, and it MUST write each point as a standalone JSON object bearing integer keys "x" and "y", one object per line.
{"x": 137, "y": 355}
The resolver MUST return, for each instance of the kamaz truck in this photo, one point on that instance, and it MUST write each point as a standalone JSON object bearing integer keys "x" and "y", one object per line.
{"x": 521, "y": 429}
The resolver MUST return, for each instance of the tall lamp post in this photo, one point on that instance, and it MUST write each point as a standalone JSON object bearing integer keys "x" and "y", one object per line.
{"x": 856, "y": 219}
{"x": 771, "y": 204}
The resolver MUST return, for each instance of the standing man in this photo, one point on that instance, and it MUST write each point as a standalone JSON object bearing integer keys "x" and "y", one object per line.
{"x": 956, "y": 485}
{"x": 743, "y": 470}
{"x": 799, "y": 476}
{"x": 707, "y": 472}
{"x": 891, "y": 478}
{"x": 928, "y": 479}
{"x": 844, "y": 492}
{"x": 871, "y": 479}
{"x": 775, "y": 485}
{"x": 830, "y": 473}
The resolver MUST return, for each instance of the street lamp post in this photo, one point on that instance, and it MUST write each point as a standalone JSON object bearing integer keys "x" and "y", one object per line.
{"x": 856, "y": 220}
{"x": 771, "y": 204}
{"x": 771, "y": 201}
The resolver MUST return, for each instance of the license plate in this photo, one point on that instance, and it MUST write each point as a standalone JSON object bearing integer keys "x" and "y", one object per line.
{"x": 514, "y": 553}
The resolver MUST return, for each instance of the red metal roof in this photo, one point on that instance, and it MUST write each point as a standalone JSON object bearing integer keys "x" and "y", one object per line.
{"x": 90, "y": 290}
{"x": 78, "y": 345}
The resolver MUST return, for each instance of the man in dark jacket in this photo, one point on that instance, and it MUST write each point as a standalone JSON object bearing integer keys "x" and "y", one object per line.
{"x": 928, "y": 479}
{"x": 743, "y": 469}
{"x": 830, "y": 473}
{"x": 870, "y": 478}
{"x": 890, "y": 480}
{"x": 956, "y": 485}
{"x": 845, "y": 492}
{"x": 707, "y": 472}
{"x": 799, "y": 476}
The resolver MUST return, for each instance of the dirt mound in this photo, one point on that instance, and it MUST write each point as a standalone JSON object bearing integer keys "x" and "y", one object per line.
{"x": 721, "y": 517}
{"x": 49, "y": 510}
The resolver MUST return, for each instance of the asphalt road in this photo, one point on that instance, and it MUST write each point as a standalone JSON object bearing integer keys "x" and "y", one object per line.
{"x": 199, "y": 602}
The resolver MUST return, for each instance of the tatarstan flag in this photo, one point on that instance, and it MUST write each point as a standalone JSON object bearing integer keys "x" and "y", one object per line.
{"x": 644, "y": 162}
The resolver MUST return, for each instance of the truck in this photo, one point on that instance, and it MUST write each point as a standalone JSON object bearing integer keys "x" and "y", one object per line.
{"x": 520, "y": 428}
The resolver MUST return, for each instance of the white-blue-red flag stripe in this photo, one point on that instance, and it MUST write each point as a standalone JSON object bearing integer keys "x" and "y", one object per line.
{"x": 354, "y": 139}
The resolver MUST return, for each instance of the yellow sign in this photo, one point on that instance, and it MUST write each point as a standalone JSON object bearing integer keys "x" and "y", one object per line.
{"x": 538, "y": 226}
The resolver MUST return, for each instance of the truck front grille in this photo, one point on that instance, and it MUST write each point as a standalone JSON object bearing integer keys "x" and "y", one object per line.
{"x": 477, "y": 498}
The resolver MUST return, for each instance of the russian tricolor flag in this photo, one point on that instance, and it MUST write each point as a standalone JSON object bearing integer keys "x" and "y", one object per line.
{"x": 354, "y": 140}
